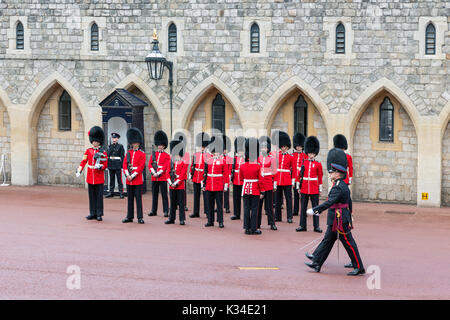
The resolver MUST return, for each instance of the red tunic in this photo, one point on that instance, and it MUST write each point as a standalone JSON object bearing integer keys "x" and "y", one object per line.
{"x": 252, "y": 179}
{"x": 298, "y": 158}
{"x": 229, "y": 161}
{"x": 349, "y": 177}
{"x": 238, "y": 180}
{"x": 138, "y": 164}
{"x": 312, "y": 178}
{"x": 268, "y": 170}
{"x": 163, "y": 162}
{"x": 284, "y": 177}
{"x": 198, "y": 166}
{"x": 94, "y": 176}
{"x": 181, "y": 168}
{"x": 218, "y": 174}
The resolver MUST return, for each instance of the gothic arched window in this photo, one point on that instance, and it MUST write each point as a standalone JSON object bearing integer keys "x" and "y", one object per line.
{"x": 172, "y": 38}
{"x": 386, "y": 120}
{"x": 19, "y": 36}
{"x": 65, "y": 112}
{"x": 430, "y": 39}
{"x": 94, "y": 37}
{"x": 218, "y": 114}
{"x": 340, "y": 39}
{"x": 301, "y": 116}
{"x": 254, "y": 38}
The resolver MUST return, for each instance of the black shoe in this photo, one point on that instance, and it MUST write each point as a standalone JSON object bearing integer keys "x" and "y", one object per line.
{"x": 127, "y": 220}
{"x": 278, "y": 220}
{"x": 151, "y": 214}
{"x": 182, "y": 223}
{"x": 122, "y": 196}
{"x": 186, "y": 209}
{"x": 166, "y": 214}
{"x": 257, "y": 232}
{"x": 313, "y": 266}
{"x": 349, "y": 265}
{"x": 295, "y": 214}
{"x": 227, "y": 211}
{"x": 99, "y": 218}
{"x": 289, "y": 220}
{"x": 300, "y": 229}
{"x": 318, "y": 230}
{"x": 235, "y": 218}
{"x": 194, "y": 216}
{"x": 247, "y": 231}
{"x": 356, "y": 272}
{"x": 309, "y": 256}
{"x": 141, "y": 221}
{"x": 221, "y": 225}
{"x": 170, "y": 221}
{"x": 209, "y": 224}
{"x": 109, "y": 195}
{"x": 91, "y": 217}
{"x": 273, "y": 227}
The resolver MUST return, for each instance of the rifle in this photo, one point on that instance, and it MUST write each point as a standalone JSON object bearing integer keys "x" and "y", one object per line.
{"x": 154, "y": 162}
{"x": 129, "y": 165}
{"x": 173, "y": 175}
{"x": 98, "y": 156}
{"x": 302, "y": 172}
{"x": 233, "y": 168}
{"x": 205, "y": 174}
{"x": 193, "y": 166}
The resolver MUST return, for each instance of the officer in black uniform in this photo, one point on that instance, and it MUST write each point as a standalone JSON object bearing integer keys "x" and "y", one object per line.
{"x": 338, "y": 219}
{"x": 116, "y": 154}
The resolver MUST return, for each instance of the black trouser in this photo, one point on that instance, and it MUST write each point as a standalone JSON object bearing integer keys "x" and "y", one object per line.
{"x": 134, "y": 192}
{"x": 314, "y": 202}
{"x": 268, "y": 208}
{"x": 226, "y": 200}
{"x": 323, "y": 250}
{"x": 214, "y": 197}
{"x": 237, "y": 195}
{"x": 197, "y": 193}
{"x": 251, "y": 212}
{"x": 296, "y": 202}
{"x": 95, "y": 199}
{"x": 279, "y": 195}
{"x": 112, "y": 180}
{"x": 156, "y": 185}
{"x": 177, "y": 201}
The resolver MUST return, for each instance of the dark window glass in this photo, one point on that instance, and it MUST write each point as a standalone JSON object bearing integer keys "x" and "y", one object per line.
{"x": 340, "y": 39}
{"x": 172, "y": 38}
{"x": 387, "y": 121}
{"x": 94, "y": 37}
{"x": 65, "y": 112}
{"x": 430, "y": 39}
{"x": 218, "y": 113}
{"x": 254, "y": 38}
{"x": 301, "y": 116}
{"x": 19, "y": 36}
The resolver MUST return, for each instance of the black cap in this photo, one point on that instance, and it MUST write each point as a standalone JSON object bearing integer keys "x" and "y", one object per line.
{"x": 115, "y": 135}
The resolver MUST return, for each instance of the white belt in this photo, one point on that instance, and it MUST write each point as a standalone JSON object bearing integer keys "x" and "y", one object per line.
{"x": 134, "y": 168}
{"x": 160, "y": 166}
{"x": 115, "y": 158}
{"x": 245, "y": 182}
{"x": 267, "y": 174}
{"x": 91, "y": 167}
{"x": 311, "y": 179}
{"x": 214, "y": 175}
{"x": 197, "y": 169}
{"x": 283, "y": 170}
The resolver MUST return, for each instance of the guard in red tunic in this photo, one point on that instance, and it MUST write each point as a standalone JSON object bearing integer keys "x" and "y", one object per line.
{"x": 197, "y": 170}
{"x": 97, "y": 161}
{"x": 268, "y": 170}
{"x": 133, "y": 166}
{"x": 311, "y": 185}
{"x": 177, "y": 181}
{"x": 299, "y": 157}
{"x": 253, "y": 187}
{"x": 283, "y": 180}
{"x": 216, "y": 180}
{"x": 236, "y": 176}
{"x": 229, "y": 161}
{"x": 159, "y": 166}
{"x": 186, "y": 158}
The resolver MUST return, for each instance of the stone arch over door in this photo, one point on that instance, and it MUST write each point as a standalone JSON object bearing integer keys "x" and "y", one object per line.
{"x": 384, "y": 171}
{"x": 5, "y": 141}
{"x": 56, "y": 154}
{"x": 282, "y": 118}
{"x": 445, "y": 187}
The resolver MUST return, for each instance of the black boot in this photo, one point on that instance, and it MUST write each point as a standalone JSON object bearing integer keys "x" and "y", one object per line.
{"x": 170, "y": 221}
{"x": 194, "y": 215}
{"x": 91, "y": 217}
{"x": 356, "y": 272}
{"x": 273, "y": 227}
{"x": 318, "y": 230}
{"x": 313, "y": 266}
{"x": 182, "y": 223}
{"x": 234, "y": 218}
{"x": 309, "y": 256}
{"x": 151, "y": 214}
{"x": 109, "y": 195}
{"x": 99, "y": 218}
{"x": 257, "y": 232}
{"x": 121, "y": 195}
{"x": 166, "y": 214}
{"x": 247, "y": 231}
{"x": 141, "y": 221}
{"x": 221, "y": 225}
{"x": 300, "y": 229}
{"x": 127, "y": 220}
{"x": 209, "y": 224}
{"x": 349, "y": 265}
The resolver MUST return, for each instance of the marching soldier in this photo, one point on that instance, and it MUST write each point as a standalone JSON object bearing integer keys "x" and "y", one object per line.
{"x": 253, "y": 187}
{"x": 116, "y": 154}
{"x": 96, "y": 160}
{"x": 283, "y": 180}
{"x": 236, "y": 176}
{"x": 229, "y": 161}
{"x": 159, "y": 165}
{"x": 268, "y": 170}
{"x": 311, "y": 182}
{"x": 338, "y": 219}
{"x": 133, "y": 166}
{"x": 197, "y": 171}
{"x": 299, "y": 157}
{"x": 216, "y": 180}
{"x": 177, "y": 180}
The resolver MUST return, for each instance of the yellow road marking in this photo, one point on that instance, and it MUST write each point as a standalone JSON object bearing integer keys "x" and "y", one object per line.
{"x": 259, "y": 268}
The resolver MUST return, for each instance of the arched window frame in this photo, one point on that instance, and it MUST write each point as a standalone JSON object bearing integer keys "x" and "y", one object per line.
{"x": 430, "y": 39}
{"x": 95, "y": 37}
{"x": 386, "y": 121}
{"x": 340, "y": 39}
{"x": 218, "y": 113}
{"x": 65, "y": 112}
{"x": 20, "y": 36}
{"x": 172, "y": 37}
{"x": 301, "y": 110}
{"x": 255, "y": 38}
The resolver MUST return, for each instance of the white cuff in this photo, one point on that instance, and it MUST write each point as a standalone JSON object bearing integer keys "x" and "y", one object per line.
{"x": 160, "y": 172}
{"x": 127, "y": 173}
{"x": 153, "y": 171}
{"x": 134, "y": 174}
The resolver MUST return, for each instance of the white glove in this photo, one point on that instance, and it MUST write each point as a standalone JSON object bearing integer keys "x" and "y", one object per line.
{"x": 175, "y": 183}
{"x": 349, "y": 180}
{"x": 320, "y": 188}
{"x": 98, "y": 166}
{"x": 293, "y": 182}
{"x": 134, "y": 175}
{"x": 190, "y": 176}
{"x": 78, "y": 174}
{"x": 310, "y": 212}
{"x": 225, "y": 187}
{"x": 153, "y": 171}
{"x": 298, "y": 185}
{"x": 275, "y": 185}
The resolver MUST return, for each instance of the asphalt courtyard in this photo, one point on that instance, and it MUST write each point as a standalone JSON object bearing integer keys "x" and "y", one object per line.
{"x": 47, "y": 247}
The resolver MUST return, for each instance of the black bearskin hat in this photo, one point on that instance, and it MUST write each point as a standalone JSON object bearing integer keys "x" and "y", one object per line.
{"x": 96, "y": 134}
{"x": 180, "y": 136}
{"x": 239, "y": 144}
{"x": 340, "y": 142}
{"x": 251, "y": 149}
{"x": 177, "y": 147}
{"x": 202, "y": 140}
{"x": 283, "y": 140}
{"x": 337, "y": 160}
{"x": 226, "y": 143}
{"x": 264, "y": 141}
{"x": 299, "y": 140}
{"x": 161, "y": 139}
{"x": 216, "y": 144}
{"x": 134, "y": 135}
{"x": 312, "y": 145}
